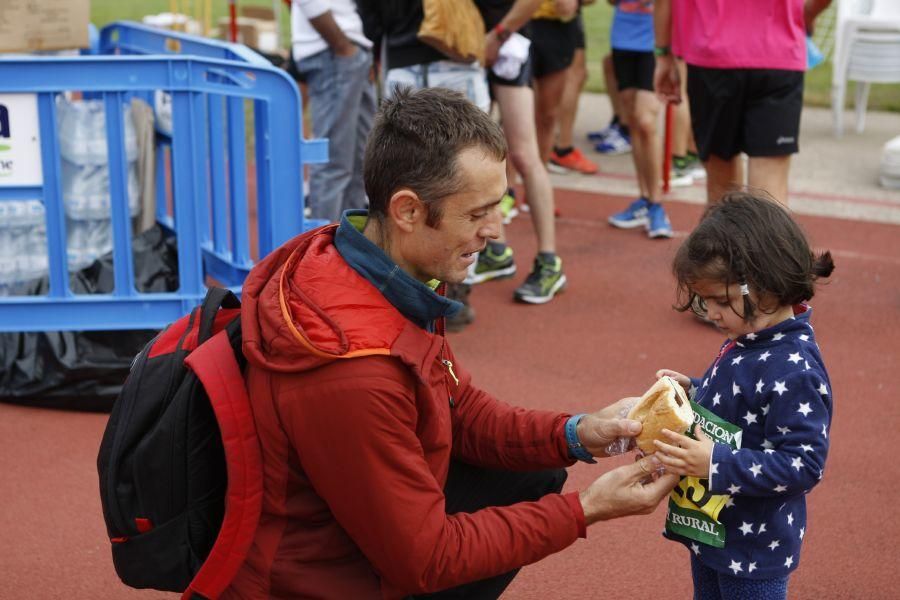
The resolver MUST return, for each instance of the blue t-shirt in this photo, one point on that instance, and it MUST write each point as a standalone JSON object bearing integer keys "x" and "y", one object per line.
{"x": 632, "y": 26}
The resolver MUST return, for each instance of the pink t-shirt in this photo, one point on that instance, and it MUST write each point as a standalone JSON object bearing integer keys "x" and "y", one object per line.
{"x": 748, "y": 34}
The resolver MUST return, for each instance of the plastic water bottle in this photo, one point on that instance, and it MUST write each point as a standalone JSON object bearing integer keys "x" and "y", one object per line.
{"x": 814, "y": 56}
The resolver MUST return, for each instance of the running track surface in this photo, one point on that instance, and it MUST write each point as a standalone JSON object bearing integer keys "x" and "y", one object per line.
{"x": 601, "y": 340}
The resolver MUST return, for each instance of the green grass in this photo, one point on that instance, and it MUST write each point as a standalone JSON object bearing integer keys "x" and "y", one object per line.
{"x": 107, "y": 11}
{"x": 598, "y": 16}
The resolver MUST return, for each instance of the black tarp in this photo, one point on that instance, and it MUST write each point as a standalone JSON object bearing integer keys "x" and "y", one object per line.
{"x": 84, "y": 370}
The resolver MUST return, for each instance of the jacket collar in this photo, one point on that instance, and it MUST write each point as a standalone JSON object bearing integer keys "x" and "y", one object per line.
{"x": 416, "y": 301}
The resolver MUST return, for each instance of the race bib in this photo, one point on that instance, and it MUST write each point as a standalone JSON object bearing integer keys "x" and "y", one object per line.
{"x": 694, "y": 512}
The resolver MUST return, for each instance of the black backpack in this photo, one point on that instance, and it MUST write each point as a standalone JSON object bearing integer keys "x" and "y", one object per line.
{"x": 180, "y": 466}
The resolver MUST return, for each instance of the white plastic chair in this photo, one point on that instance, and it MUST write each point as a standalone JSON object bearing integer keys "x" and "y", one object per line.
{"x": 867, "y": 51}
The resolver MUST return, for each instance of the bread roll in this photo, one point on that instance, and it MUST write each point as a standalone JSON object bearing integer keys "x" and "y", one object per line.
{"x": 663, "y": 406}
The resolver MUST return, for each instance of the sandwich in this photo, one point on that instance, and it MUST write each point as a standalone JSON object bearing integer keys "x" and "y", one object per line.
{"x": 663, "y": 406}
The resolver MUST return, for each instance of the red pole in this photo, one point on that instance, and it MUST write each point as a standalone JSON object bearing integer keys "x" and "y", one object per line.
{"x": 232, "y": 24}
{"x": 667, "y": 149}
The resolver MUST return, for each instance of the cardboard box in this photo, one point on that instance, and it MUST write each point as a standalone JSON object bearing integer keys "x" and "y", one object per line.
{"x": 255, "y": 33}
{"x": 37, "y": 25}
{"x": 263, "y": 13}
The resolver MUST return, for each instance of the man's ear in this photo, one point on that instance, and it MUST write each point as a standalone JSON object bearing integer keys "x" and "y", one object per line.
{"x": 406, "y": 210}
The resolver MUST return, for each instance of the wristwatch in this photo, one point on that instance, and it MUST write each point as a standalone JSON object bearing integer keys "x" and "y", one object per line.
{"x": 502, "y": 32}
{"x": 662, "y": 51}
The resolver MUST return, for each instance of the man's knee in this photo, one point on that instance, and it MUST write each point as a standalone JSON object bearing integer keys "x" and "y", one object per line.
{"x": 538, "y": 484}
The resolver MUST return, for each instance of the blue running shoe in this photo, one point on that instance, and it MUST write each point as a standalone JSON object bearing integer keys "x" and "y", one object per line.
{"x": 601, "y": 134}
{"x": 658, "y": 225}
{"x": 633, "y": 216}
{"x": 617, "y": 142}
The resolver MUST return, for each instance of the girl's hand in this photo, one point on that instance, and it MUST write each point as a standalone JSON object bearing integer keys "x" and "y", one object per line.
{"x": 683, "y": 380}
{"x": 683, "y": 455}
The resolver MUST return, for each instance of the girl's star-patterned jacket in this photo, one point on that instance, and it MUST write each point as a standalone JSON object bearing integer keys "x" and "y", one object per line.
{"x": 773, "y": 384}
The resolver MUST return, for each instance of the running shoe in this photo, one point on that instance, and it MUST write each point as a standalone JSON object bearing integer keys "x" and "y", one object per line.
{"x": 601, "y": 134}
{"x": 492, "y": 266}
{"x": 680, "y": 177}
{"x": 508, "y": 208}
{"x": 658, "y": 225}
{"x": 617, "y": 142}
{"x": 573, "y": 161}
{"x": 633, "y": 216}
{"x": 543, "y": 283}
{"x": 460, "y": 293}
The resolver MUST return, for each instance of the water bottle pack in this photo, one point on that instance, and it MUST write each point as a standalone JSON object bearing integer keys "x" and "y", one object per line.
{"x": 86, "y": 196}
{"x": 23, "y": 242}
{"x": 82, "y": 131}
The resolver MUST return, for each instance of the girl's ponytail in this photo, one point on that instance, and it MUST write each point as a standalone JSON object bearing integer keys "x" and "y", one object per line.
{"x": 822, "y": 265}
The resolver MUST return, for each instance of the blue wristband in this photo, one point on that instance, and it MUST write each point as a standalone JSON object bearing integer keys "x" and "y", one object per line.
{"x": 576, "y": 450}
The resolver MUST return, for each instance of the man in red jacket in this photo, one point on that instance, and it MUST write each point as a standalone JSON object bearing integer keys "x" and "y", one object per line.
{"x": 388, "y": 473}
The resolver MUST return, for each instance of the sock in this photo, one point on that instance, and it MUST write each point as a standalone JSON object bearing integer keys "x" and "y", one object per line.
{"x": 563, "y": 151}
{"x": 680, "y": 162}
{"x": 548, "y": 258}
{"x": 511, "y": 192}
{"x": 624, "y": 129}
{"x": 615, "y": 120}
{"x": 692, "y": 156}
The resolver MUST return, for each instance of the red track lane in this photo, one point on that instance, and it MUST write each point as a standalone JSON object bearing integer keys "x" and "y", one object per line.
{"x": 601, "y": 340}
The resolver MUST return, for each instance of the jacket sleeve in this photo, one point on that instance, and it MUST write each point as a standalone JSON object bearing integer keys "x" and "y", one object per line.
{"x": 490, "y": 433}
{"x": 356, "y": 440}
{"x": 797, "y": 416}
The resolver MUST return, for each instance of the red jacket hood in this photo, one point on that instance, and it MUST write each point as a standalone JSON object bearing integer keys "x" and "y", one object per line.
{"x": 303, "y": 306}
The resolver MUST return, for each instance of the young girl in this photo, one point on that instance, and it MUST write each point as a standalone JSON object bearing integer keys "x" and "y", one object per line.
{"x": 765, "y": 404}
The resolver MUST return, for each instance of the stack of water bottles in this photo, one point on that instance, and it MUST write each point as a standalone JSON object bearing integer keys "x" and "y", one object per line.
{"x": 23, "y": 243}
{"x": 85, "y": 177}
{"x": 84, "y": 181}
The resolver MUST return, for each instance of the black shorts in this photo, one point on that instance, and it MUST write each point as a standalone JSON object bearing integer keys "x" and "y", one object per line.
{"x": 579, "y": 32}
{"x": 756, "y": 111}
{"x": 634, "y": 69}
{"x": 523, "y": 80}
{"x": 552, "y": 45}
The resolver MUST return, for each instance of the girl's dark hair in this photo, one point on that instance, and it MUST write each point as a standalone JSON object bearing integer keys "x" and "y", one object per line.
{"x": 749, "y": 238}
{"x": 415, "y": 143}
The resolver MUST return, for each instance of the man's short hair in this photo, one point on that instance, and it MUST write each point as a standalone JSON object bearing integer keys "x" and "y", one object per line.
{"x": 415, "y": 142}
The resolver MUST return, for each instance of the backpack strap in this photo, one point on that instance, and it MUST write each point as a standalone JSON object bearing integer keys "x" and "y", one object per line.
{"x": 215, "y": 365}
{"x": 216, "y": 298}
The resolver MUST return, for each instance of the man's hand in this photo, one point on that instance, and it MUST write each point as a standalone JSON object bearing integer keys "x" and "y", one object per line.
{"x": 684, "y": 455}
{"x": 623, "y": 491}
{"x": 667, "y": 79}
{"x": 600, "y": 429}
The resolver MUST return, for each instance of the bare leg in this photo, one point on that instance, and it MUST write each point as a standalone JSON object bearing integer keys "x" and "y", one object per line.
{"x": 612, "y": 85}
{"x": 642, "y": 110}
{"x": 722, "y": 175}
{"x": 568, "y": 106}
{"x": 549, "y": 90}
{"x": 770, "y": 173}
{"x": 517, "y": 112}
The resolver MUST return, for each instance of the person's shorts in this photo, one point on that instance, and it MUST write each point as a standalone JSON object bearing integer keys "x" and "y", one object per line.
{"x": 552, "y": 45}
{"x": 579, "y": 32}
{"x": 522, "y": 80}
{"x": 634, "y": 69}
{"x": 468, "y": 79}
{"x": 756, "y": 111}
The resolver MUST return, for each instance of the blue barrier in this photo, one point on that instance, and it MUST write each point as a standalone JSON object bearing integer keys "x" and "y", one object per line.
{"x": 207, "y": 209}
{"x": 126, "y": 37}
